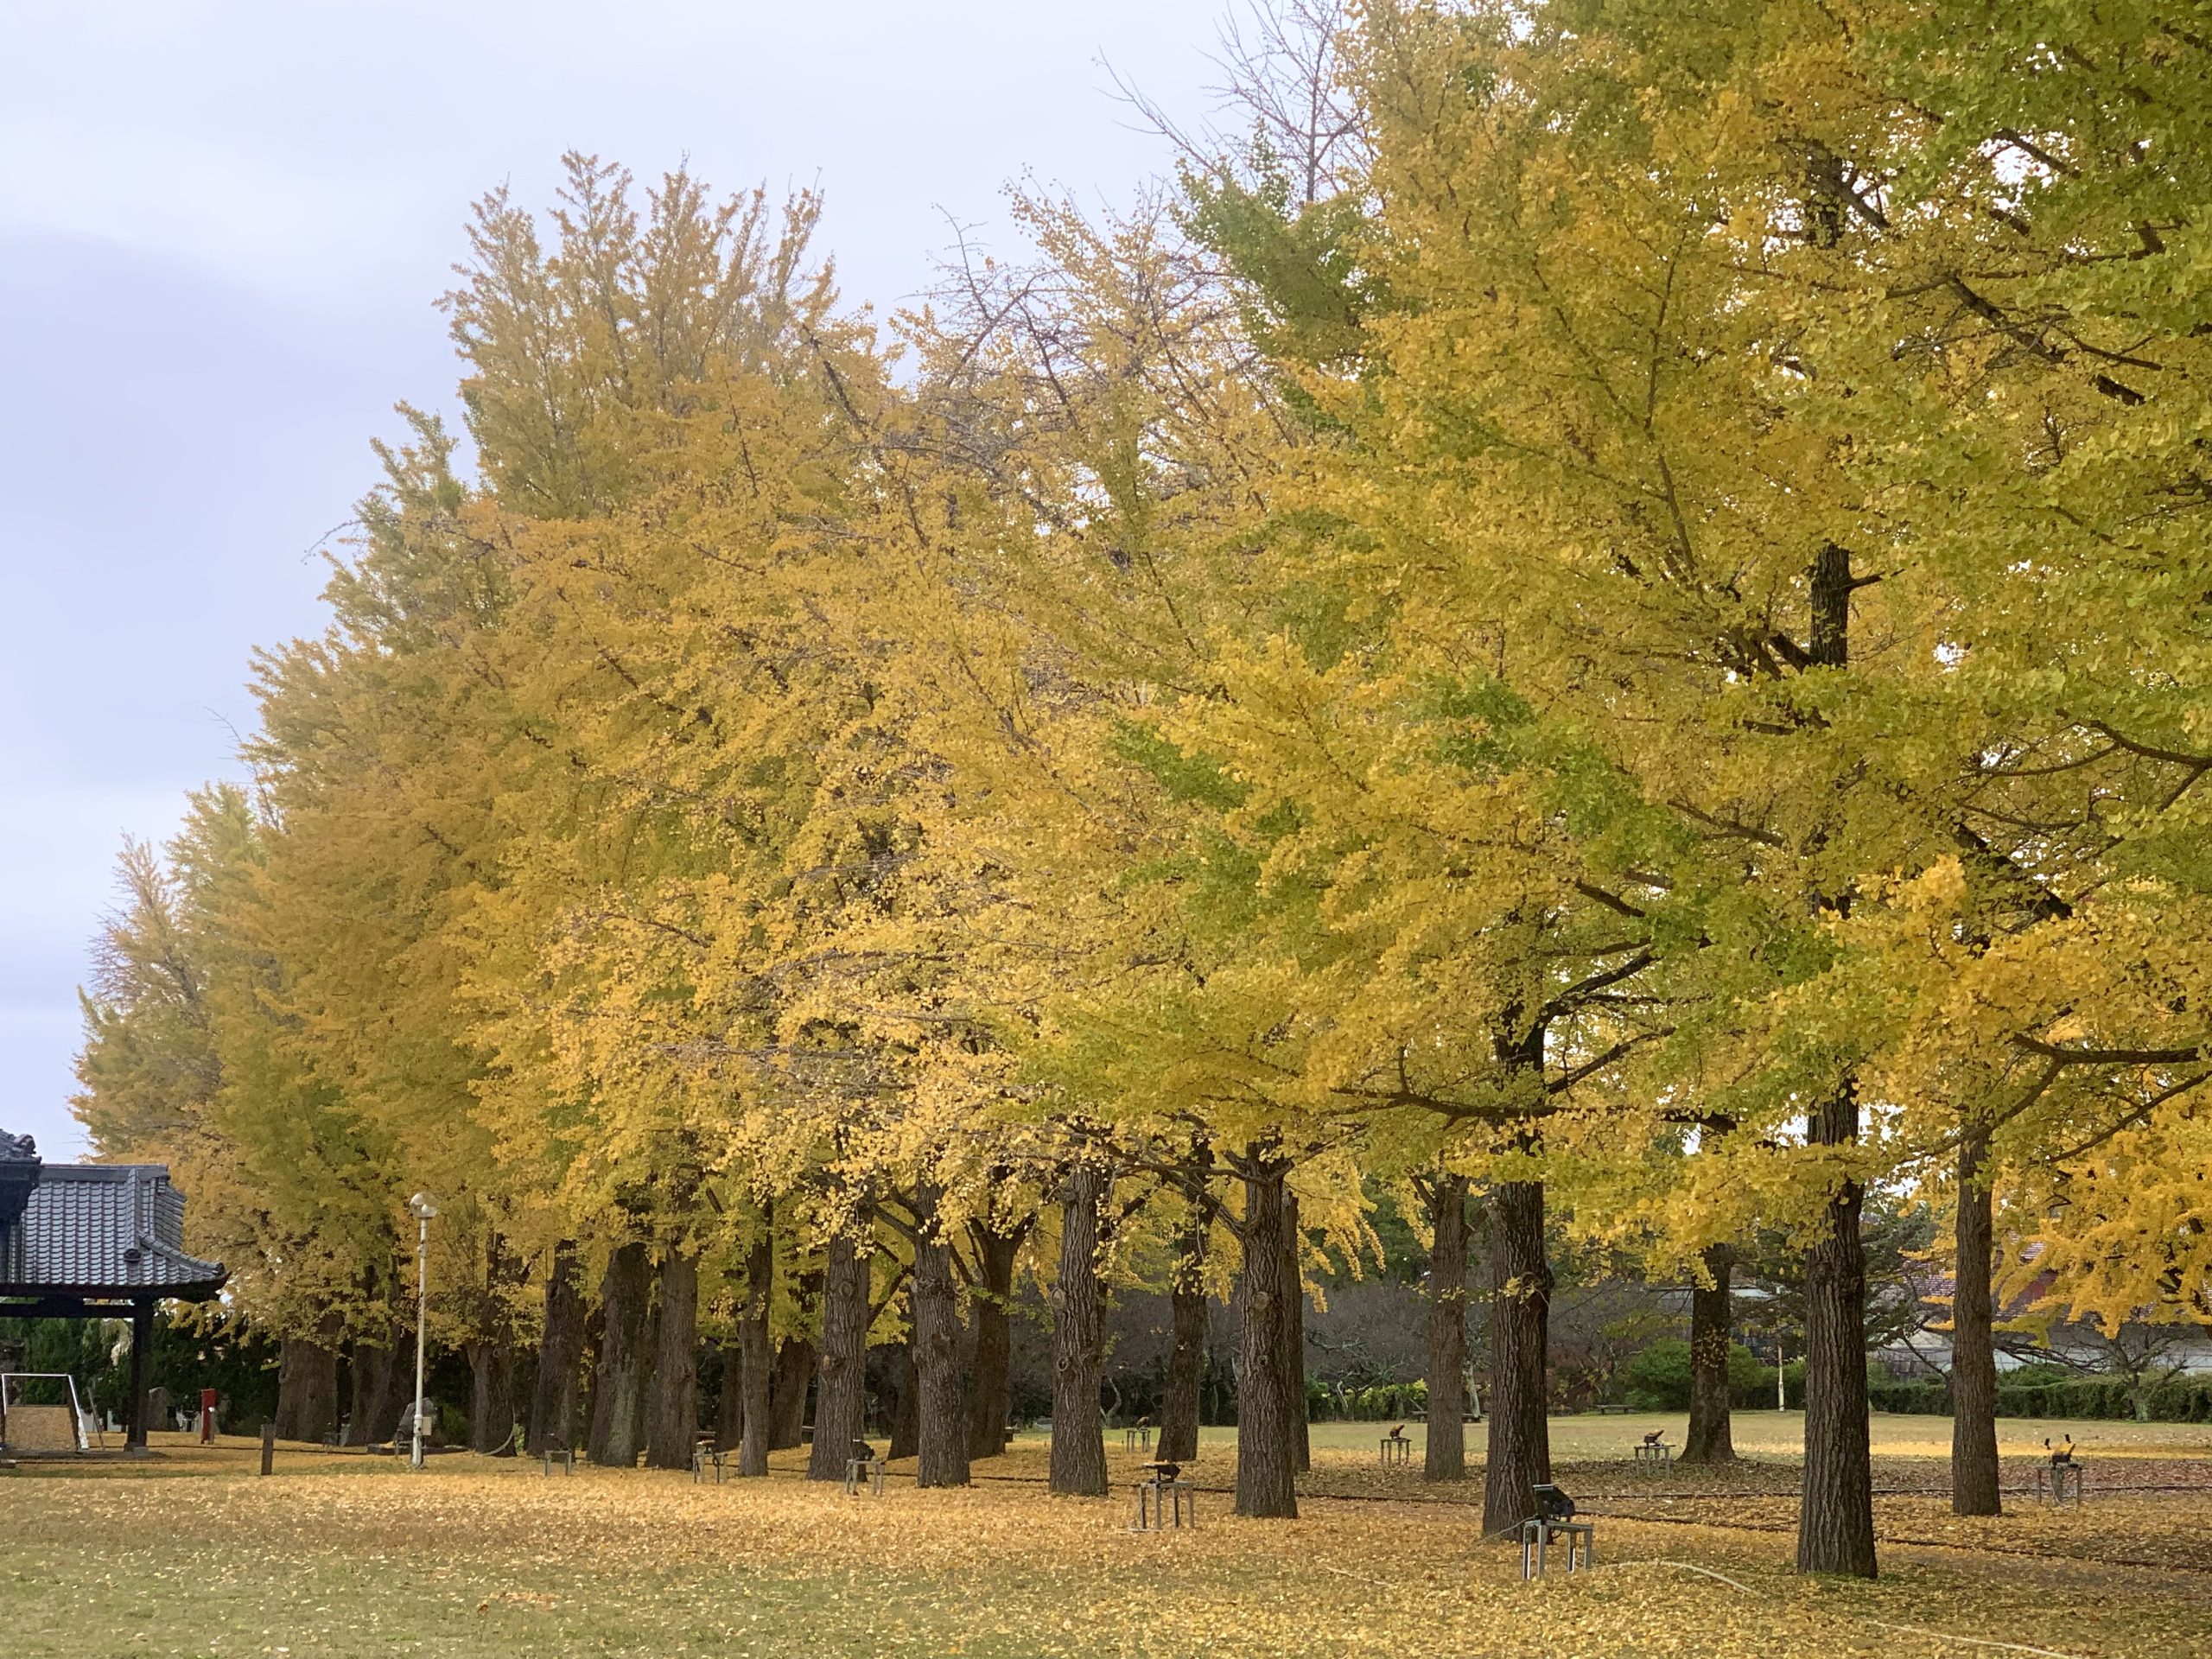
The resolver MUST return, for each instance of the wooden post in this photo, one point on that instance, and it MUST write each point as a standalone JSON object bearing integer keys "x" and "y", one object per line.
{"x": 268, "y": 1448}
{"x": 142, "y": 1356}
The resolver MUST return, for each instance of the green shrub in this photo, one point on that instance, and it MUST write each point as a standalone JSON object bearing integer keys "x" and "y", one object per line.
{"x": 1658, "y": 1379}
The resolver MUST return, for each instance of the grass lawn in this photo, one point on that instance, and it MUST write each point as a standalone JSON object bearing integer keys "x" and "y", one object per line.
{"x": 343, "y": 1555}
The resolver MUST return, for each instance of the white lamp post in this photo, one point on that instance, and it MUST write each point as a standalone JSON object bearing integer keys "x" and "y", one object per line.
{"x": 424, "y": 1210}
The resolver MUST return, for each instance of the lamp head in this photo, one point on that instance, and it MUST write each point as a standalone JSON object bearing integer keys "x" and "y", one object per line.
{"x": 422, "y": 1206}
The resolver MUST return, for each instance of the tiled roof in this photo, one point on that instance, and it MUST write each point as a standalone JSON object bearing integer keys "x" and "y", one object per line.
{"x": 113, "y": 1229}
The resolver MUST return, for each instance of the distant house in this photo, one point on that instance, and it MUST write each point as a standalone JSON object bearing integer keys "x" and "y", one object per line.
{"x": 96, "y": 1242}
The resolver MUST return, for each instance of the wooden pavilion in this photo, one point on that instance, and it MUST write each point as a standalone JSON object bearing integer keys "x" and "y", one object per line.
{"x": 96, "y": 1242}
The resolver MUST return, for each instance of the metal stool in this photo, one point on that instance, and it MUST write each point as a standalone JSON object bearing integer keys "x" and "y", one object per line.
{"x": 1137, "y": 1437}
{"x": 1165, "y": 1501}
{"x": 865, "y": 1463}
{"x": 706, "y": 1455}
{"x": 1396, "y": 1447}
{"x": 1656, "y": 1451}
{"x": 1537, "y": 1534}
{"x": 565, "y": 1458}
{"x": 2058, "y": 1483}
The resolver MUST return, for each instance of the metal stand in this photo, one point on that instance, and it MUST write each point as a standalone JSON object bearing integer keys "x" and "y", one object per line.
{"x": 2058, "y": 1483}
{"x": 1581, "y": 1539}
{"x": 1396, "y": 1448}
{"x": 706, "y": 1455}
{"x": 1656, "y": 1451}
{"x": 869, "y": 1470}
{"x": 1166, "y": 1504}
{"x": 565, "y": 1456}
{"x": 1138, "y": 1439}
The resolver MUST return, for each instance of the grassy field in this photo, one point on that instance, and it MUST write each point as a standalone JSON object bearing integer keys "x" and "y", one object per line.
{"x": 343, "y": 1555}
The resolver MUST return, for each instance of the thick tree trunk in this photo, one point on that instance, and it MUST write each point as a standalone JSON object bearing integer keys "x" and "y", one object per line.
{"x": 379, "y": 1391}
{"x": 641, "y": 1431}
{"x": 1836, "y": 1524}
{"x": 729, "y": 1391}
{"x": 1077, "y": 1462}
{"x": 1293, "y": 1339}
{"x": 841, "y": 1391}
{"x": 943, "y": 1451}
{"x": 755, "y": 1364}
{"x": 994, "y": 1342}
{"x": 1520, "y": 1450}
{"x": 1447, "y": 1329}
{"x": 1186, "y": 1347}
{"x": 1266, "y": 1442}
{"x": 553, "y": 1401}
{"x": 1974, "y": 1351}
{"x": 306, "y": 1385}
{"x": 904, "y": 1416}
{"x": 492, "y": 1396}
{"x": 674, "y": 1419}
{"x": 618, "y": 1376}
{"x": 1711, "y": 1439}
{"x": 789, "y": 1384}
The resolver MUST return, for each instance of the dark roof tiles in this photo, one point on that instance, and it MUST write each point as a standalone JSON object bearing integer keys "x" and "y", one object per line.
{"x": 103, "y": 1229}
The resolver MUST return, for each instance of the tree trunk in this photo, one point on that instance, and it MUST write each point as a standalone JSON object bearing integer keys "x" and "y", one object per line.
{"x": 560, "y": 1352}
{"x": 492, "y": 1396}
{"x": 1520, "y": 1449}
{"x": 904, "y": 1416}
{"x": 840, "y": 1393}
{"x": 306, "y": 1385}
{"x": 755, "y": 1363}
{"x": 1835, "y": 1523}
{"x": 993, "y": 1340}
{"x": 788, "y": 1384}
{"x": 378, "y": 1392}
{"x": 943, "y": 1449}
{"x": 1293, "y": 1338}
{"x": 674, "y": 1421}
{"x": 1186, "y": 1349}
{"x": 560, "y": 1356}
{"x": 1266, "y": 1443}
{"x": 1447, "y": 1329}
{"x": 619, "y": 1377}
{"x": 1710, "y": 1439}
{"x": 1077, "y": 1463}
{"x": 1974, "y": 1351}
{"x": 729, "y": 1391}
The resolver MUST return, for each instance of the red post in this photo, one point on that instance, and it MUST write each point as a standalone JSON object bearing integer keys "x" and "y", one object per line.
{"x": 206, "y": 1416}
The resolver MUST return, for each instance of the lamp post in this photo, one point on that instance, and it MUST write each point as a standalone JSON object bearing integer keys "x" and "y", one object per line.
{"x": 424, "y": 1210}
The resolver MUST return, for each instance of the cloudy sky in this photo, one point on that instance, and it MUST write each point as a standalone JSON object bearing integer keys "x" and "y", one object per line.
{"x": 222, "y": 227}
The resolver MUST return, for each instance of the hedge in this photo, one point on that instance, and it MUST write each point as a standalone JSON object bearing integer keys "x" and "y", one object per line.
{"x": 2178, "y": 1400}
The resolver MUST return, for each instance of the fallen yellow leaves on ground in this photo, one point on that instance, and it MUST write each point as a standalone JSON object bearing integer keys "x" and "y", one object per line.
{"x": 476, "y": 1557}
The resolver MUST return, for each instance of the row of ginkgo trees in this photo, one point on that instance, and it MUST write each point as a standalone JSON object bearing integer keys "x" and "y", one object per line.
{"x": 1602, "y": 625}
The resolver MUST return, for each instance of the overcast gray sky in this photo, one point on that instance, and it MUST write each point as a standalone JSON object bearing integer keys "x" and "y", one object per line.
{"x": 222, "y": 227}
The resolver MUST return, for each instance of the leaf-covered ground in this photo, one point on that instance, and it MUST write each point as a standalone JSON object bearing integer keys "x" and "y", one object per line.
{"x": 347, "y": 1555}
